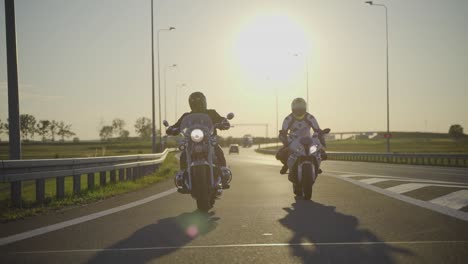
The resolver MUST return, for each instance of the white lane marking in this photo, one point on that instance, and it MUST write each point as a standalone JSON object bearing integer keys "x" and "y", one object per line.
{"x": 455, "y": 200}
{"x": 79, "y": 220}
{"x": 407, "y": 187}
{"x": 431, "y": 206}
{"x": 369, "y": 243}
{"x": 373, "y": 180}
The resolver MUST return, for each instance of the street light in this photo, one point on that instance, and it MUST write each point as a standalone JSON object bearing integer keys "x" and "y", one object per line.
{"x": 165, "y": 93}
{"x": 371, "y": 3}
{"x": 159, "y": 89}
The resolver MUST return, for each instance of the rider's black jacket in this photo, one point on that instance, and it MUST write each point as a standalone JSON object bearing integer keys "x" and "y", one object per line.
{"x": 215, "y": 118}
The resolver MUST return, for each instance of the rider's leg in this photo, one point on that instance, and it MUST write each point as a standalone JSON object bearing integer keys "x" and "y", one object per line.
{"x": 220, "y": 155}
{"x": 282, "y": 155}
{"x": 226, "y": 174}
{"x": 180, "y": 175}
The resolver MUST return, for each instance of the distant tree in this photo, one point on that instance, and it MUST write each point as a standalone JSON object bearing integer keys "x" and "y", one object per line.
{"x": 124, "y": 134}
{"x": 53, "y": 129}
{"x": 118, "y": 125}
{"x": 64, "y": 130}
{"x": 2, "y": 127}
{"x": 143, "y": 127}
{"x": 106, "y": 133}
{"x": 6, "y": 127}
{"x": 456, "y": 131}
{"x": 27, "y": 126}
{"x": 76, "y": 139}
{"x": 42, "y": 129}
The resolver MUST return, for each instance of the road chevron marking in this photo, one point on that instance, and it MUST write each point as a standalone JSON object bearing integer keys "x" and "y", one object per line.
{"x": 392, "y": 178}
{"x": 79, "y": 220}
{"x": 368, "y": 243}
{"x": 374, "y": 180}
{"x": 407, "y": 187}
{"x": 455, "y": 200}
{"x": 424, "y": 204}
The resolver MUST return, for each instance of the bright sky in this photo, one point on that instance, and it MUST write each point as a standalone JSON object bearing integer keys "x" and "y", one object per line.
{"x": 87, "y": 62}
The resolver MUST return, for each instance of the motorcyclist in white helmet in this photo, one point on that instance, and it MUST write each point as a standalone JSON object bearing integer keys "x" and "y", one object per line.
{"x": 297, "y": 120}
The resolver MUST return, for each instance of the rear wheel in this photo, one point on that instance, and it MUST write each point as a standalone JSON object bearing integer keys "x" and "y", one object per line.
{"x": 201, "y": 188}
{"x": 307, "y": 176}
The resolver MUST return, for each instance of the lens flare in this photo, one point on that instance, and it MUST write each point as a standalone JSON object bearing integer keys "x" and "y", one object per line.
{"x": 192, "y": 231}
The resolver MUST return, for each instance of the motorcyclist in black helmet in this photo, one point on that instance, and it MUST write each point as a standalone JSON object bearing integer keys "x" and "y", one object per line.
{"x": 197, "y": 102}
{"x": 298, "y": 119}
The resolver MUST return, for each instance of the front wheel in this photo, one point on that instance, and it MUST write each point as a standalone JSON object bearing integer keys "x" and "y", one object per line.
{"x": 201, "y": 188}
{"x": 308, "y": 171}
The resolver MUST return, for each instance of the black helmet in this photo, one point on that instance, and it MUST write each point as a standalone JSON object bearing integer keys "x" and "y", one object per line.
{"x": 299, "y": 108}
{"x": 197, "y": 102}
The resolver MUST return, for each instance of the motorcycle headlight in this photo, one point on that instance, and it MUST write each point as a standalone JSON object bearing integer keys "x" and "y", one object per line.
{"x": 313, "y": 149}
{"x": 197, "y": 135}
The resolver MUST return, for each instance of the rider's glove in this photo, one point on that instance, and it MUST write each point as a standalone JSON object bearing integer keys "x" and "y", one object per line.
{"x": 225, "y": 125}
{"x": 173, "y": 131}
{"x": 283, "y": 136}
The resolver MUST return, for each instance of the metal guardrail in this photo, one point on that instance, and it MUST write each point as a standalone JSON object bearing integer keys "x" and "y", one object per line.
{"x": 129, "y": 167}
{"x": 450, "y": 160}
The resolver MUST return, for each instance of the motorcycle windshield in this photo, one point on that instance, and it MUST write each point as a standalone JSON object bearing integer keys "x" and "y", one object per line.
{"x": 196, "y": 120}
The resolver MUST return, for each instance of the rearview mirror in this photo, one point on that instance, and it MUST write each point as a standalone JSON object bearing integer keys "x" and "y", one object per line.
{"x": 326, "y": 131}
{"x": 165, "y": 123}
{"x": 230, "y": 116}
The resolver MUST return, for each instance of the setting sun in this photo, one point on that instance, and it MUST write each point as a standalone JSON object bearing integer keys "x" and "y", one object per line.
{"x": 266, "y": 44}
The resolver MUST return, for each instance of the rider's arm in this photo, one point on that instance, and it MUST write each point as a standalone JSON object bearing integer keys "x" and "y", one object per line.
{"x": 316, "y": 128}
{"x": 174, "y": 129}
{"x": 218, "y": 119}
{"x": 283, "y": 133}
{"x": 313, "y": 122}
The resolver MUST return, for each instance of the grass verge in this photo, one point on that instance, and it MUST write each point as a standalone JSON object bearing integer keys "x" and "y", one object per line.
{"x": 7, "y": 213}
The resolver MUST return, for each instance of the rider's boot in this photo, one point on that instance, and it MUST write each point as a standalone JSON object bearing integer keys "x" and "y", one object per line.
{"x": 284, "y": 169}
{"x": 179, "y": 181}
{"x": 323, "y": 154}
{"x": 226, "y": 177}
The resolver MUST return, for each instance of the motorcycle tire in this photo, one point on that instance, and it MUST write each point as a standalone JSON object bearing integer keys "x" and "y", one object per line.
{"x": 297, "y": 190}
{"x": 201, "y": 186}
{"x": 307, "y": 177}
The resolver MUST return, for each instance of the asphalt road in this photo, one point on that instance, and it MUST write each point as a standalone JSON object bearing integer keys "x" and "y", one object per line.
{"x": 355, "y": 217}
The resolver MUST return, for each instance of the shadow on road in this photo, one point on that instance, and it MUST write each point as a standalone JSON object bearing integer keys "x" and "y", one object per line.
{"x": 320, "y": 224}
{"x": 159, "y": 239}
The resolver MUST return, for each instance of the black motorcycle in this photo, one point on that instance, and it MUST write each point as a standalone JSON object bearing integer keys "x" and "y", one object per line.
{"x": 203, "y": 177}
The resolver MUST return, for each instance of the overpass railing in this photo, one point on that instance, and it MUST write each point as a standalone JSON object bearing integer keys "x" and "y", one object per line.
{"x": 121, "y": 168}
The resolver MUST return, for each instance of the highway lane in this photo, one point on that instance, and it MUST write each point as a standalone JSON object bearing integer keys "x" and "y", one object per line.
{"x": 258, "y": 220}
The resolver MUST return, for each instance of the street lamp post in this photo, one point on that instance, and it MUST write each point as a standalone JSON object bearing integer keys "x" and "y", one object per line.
{"x": 165, "y": 88}
{"x": 159, "y": 88}
{"x": 153, "y": 128}
{"x": 371, "y": 3}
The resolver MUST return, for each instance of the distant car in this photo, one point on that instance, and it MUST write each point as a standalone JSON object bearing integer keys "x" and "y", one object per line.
{"x": 234, "y": 148}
